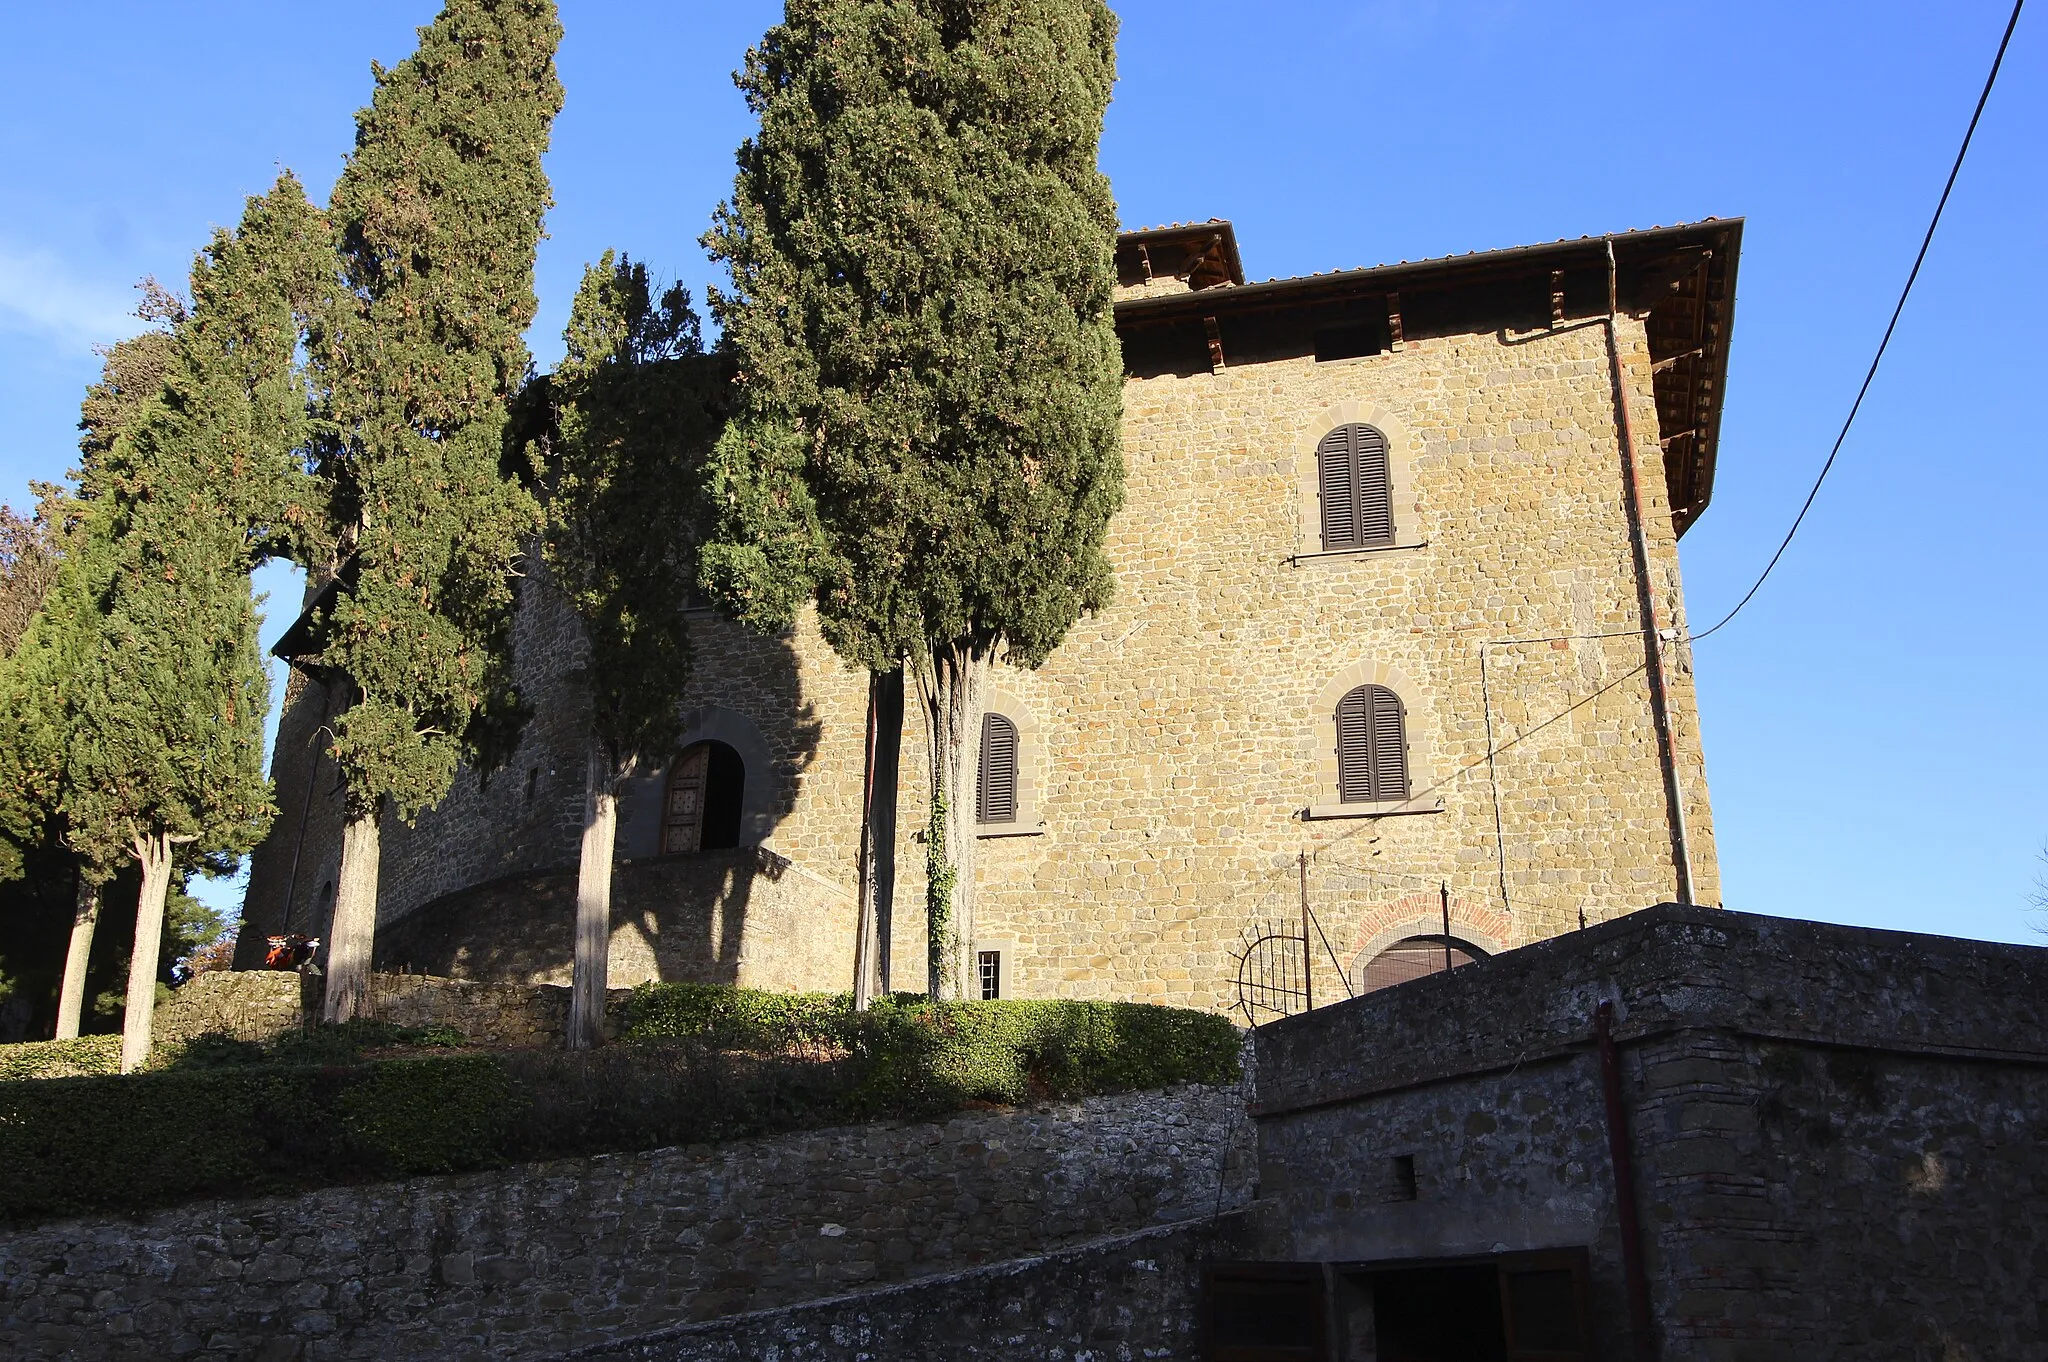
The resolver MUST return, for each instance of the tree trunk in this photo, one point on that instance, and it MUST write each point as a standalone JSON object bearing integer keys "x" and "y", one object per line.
{"x": 154, "y": 854}
{"x": 85, "y": 918}
{"x": 594, "y": 901}
{"x": 955, "y": 690}
{"x": 352, "y": 935}
{"x": 878, "y": 837}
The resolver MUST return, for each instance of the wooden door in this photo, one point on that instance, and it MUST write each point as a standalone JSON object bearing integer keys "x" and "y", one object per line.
{"x": 682, "y": 819}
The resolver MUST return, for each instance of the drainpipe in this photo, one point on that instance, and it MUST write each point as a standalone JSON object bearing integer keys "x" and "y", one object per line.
{"x": 1635, "y": 1276}
{"x": 1653, "y": 641}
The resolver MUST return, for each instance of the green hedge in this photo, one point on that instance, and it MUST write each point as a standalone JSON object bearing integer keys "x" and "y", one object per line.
{"x": 148, "y": 1139}
{"x": 906, "y": 1054}
{"x": 704, "y": 1064}
{"x": 60, "y": 1058}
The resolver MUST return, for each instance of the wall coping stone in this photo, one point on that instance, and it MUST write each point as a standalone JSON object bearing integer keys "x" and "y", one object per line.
{"x": 1667, "y": 968}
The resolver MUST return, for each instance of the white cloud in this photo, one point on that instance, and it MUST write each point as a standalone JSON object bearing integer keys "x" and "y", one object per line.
{"x": 41, "y": 296}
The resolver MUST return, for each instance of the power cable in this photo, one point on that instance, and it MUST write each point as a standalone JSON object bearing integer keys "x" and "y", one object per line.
{"x": 1876, "y": 359}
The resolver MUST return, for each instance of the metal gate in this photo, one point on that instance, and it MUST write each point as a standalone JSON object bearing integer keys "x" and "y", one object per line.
{"x": 1272, "y": 974}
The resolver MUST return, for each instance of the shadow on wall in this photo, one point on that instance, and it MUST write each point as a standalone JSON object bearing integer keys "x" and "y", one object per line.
{"x": 678, "y": 918}
{"x": 690, "y": 864}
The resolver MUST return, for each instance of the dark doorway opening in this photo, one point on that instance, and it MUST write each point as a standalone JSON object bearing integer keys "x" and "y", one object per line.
{"x": 725, "y": 788}
{"x": 1511, "y": 1307}
{"x": 1438, "y": 1314}
{"x": 706, "y": 800}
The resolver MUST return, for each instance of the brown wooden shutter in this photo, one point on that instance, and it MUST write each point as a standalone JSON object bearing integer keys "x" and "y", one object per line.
{"x": 1356, "y": 480}
{"x": 1336, "y": 468}
{"x": 1354, "y": 746}
{"x": 1372, "y": 747}
{"x": 1375, "y": 487}
{"x": 1389, "y": 746}
{"x": 996, "y": 789}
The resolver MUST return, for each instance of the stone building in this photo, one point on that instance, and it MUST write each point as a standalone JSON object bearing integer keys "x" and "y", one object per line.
{"x": 1378, "y": 642}
{"x": 1729, "y": 1138}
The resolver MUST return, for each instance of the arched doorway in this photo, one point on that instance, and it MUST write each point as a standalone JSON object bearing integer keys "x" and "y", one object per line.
{"x": 1411, "y": 958}
{"x": 707, "y": 786}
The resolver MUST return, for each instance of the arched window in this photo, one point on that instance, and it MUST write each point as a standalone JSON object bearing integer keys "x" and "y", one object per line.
{"x": 1414, "y": 957}
{"x": 701, "y": 810}
{"x": 995, "y": 795}
{"x": 1372, "y": 747}
{"x": 1357, "y": 488}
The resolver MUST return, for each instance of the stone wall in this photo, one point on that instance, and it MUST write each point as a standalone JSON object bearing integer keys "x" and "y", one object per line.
{"x": 248, "y": 1004}
{"x": 497, "y": 1014}
{"x": 1179, "y": 739}
{"x": 537, "y": 1259}
{"x": 746, "y": 917}
{"x": 525, "y": 816}
{"x": 1130, "y": 1297}
{"x": 261, "y": 1005}
{"x": 1836, "y": 1133}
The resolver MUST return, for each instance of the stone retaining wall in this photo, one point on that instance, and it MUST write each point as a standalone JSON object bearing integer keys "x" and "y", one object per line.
{"x": 541, "y": 1258}
{"x": 261, "y": 1005}
{"x": 246, "y": 1004}
{"x": 1128, "y": 1297}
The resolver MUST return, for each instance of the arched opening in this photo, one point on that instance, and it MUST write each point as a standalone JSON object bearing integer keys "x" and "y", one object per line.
{"x": 707, "y": 786}
{"x": 1356, "y": 482}
{"x": 1411, "y": 958}
{"x": 995, "y": 795}
{"x": 1372, "y": 746}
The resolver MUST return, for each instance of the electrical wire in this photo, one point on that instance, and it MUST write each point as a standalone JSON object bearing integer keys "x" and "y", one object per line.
{"x": 1918, "y": 260}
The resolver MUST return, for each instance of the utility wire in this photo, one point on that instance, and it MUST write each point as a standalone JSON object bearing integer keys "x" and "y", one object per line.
{"x": 1918, "y": 260}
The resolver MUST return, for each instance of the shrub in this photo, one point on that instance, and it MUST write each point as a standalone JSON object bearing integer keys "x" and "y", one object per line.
{"x": 429, "y": 1115}
{"x": 908, "y": 1056}
{"x": 126, "y": 1143}
{"x": 232, "y": 1118}
{"x": 61, "y": 1058}
{"x": 337, "y": 1044}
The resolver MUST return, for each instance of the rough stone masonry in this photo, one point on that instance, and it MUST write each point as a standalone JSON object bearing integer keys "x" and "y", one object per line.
{"x": 1837, "y": 1134}
{"x": 1177, "y": 753}
{"x": 531, "y": 1260}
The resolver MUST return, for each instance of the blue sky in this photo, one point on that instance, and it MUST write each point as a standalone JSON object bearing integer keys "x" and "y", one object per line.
{"x": 1875, "y": 736}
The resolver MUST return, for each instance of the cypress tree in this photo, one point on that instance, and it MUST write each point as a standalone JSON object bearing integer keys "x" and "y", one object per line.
{"x": 634, "y": 415}
{"x": 33, "y": 721}
{"x": 146, "y": 669}
{"x": 926, "y": 435}
{"x": 437, "y": 213}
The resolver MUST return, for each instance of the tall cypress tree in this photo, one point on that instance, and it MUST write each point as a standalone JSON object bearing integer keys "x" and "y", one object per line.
{"x": 146, "y": 667}
{"x": 438, "y": 212}
{"x": 33, "y": 721}
{"x": 926, "y": 437}
{"x": 634, "y": 406}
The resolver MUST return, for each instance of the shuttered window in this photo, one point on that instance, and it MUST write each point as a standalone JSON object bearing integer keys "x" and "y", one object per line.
{"x": 1357, "y": 488}
{"x": 1372, "y": 746}
{"x": 996, "y": 790}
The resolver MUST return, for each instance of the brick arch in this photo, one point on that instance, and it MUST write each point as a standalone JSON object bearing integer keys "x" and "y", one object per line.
{"x": 1421, "y": 914}
{"x": 1400, "y": 470}
{"x": 1423, "y": 775}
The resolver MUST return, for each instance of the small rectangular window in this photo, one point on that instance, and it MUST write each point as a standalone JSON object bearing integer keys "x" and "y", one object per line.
{"x": 991, "y": 974}
{"x": 1401, "y": 1178}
